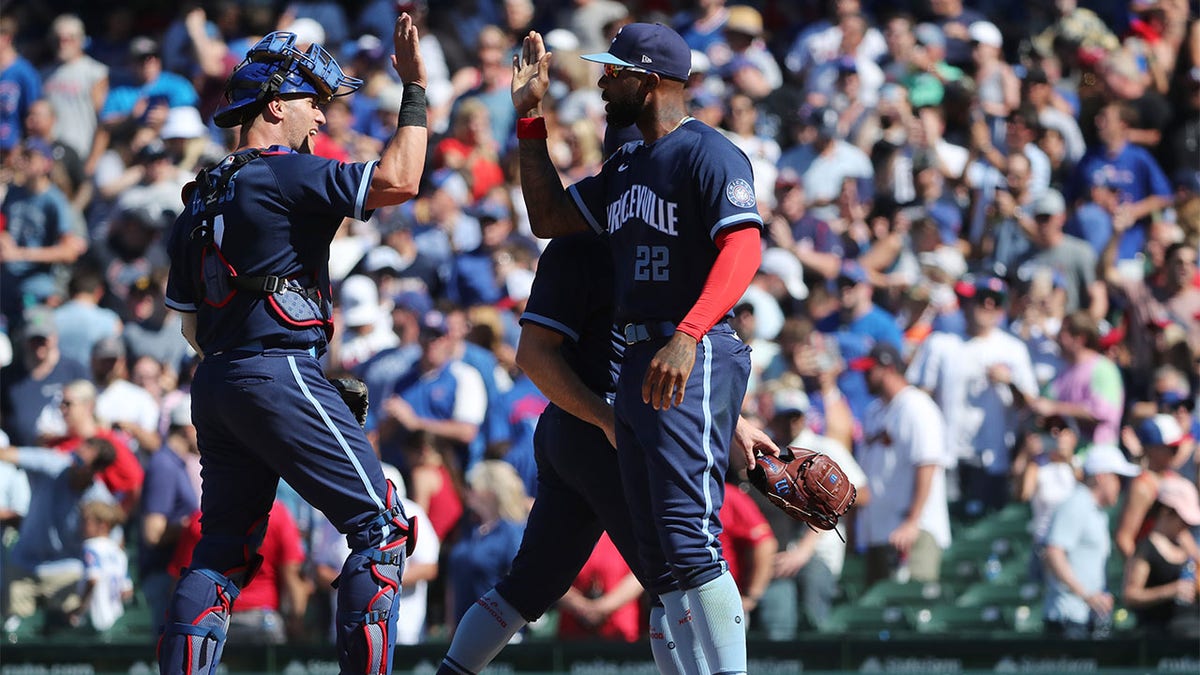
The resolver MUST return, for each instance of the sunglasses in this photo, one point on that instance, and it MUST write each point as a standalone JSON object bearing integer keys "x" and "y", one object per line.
{"x": 612, "y": 71}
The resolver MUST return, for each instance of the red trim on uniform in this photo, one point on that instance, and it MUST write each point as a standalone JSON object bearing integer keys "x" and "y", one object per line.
{"x": 531, "y": 127}
{"x": 738, "y": 257}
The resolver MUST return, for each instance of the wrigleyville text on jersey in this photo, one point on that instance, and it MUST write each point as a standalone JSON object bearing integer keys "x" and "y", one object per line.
{"x": 642, "y": 203}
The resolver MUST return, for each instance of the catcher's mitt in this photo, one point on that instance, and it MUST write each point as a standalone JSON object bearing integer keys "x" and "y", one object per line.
{"x": 354, "y": 393}
{"x": 806, "y": 485}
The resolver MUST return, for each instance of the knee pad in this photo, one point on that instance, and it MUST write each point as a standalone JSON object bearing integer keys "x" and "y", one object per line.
{"x": 194, "y": 633}
{"x": 368, "y": 593}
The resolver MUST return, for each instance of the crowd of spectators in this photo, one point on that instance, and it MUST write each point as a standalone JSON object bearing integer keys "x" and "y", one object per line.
{"x": 979, "y": 286}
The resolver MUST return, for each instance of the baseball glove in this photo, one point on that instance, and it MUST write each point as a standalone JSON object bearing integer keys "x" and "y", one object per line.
{"x": 354, "y": 393}
{"x": 806, "y": 485}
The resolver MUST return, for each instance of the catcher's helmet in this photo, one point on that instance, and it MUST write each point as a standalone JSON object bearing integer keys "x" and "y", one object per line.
{"x": 275, "y": 66}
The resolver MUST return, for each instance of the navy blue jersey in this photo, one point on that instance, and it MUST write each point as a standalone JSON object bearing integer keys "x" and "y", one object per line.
{"x": 276, "y": 217}
{"x": 662, "y": 205}
{"x": 572, "y": 295}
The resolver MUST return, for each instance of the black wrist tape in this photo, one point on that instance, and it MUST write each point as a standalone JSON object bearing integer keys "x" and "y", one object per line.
{"x": 412, "y": 107}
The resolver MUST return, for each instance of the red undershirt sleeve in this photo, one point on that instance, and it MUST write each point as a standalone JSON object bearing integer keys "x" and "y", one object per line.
{"x": 738, "y": 257}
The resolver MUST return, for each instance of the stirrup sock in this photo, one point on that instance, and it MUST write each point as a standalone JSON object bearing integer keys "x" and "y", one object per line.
{"x": 483, "y": 631}
{"x": 680, "y": 618}
{"x": 720, "y": 625}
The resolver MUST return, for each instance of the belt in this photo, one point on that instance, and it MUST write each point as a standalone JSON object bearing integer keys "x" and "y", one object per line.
{"x": 649, "y": 330}
{"x": 257, "y": 346}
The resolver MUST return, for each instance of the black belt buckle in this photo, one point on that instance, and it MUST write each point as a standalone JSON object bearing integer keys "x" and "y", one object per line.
{"x": 272, "y": 284}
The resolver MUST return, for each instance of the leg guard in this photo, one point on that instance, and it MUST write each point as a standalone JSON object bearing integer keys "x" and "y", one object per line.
{"x": 368, "y": 593}
{"x": 194, "y": 634}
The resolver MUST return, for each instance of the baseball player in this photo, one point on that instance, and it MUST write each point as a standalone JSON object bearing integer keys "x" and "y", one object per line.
{"x": 249, "y": 269}
{"x": 678, "y": 211}
{"x": 568, "y": 349}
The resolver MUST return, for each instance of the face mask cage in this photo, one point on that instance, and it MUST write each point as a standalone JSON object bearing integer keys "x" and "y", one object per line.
{"x": 314, "y": 64}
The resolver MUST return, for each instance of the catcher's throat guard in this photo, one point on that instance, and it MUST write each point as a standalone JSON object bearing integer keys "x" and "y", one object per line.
{"x": 808, "y": 486}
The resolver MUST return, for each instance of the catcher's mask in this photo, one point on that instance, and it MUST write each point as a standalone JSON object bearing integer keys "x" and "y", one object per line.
{"x": 274, "y": 67}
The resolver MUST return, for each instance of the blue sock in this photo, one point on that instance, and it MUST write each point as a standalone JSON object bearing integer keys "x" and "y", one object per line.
{"x": 484, "y": 630}
{"x": 678, "y": 627}
{"x": 719, "y": 625}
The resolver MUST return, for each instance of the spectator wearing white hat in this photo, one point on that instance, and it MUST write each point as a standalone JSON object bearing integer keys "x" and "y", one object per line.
{"x": 997, "y": 88}
{"x": 186, "y": 137}
{"x": 1078, "y": 546}
{"x": 367, "y": 331}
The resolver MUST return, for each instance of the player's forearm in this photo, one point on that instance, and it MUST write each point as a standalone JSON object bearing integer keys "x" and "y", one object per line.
{"x": 542, "y": 361}
{"x": 187, "y": 326}
{"x": 551, "y": 212}
{"x": 737, "y": 261}
{"x": 397, "y": 177}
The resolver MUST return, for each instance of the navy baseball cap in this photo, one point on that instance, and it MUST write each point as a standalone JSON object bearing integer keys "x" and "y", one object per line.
{"x": 982, "y": 288}
{"x": 651, "y": 47}
{"x": 433, "y": 325}
{"x": 417, "y": 302}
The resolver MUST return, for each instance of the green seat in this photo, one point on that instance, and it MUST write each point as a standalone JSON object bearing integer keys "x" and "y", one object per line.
{"x": 1025, "y": 619}
{"x": 986, "y": 593}
{"x": 888, "y": 593}
{"x": 941, "y": 619}
{"x": 857, "y": 619}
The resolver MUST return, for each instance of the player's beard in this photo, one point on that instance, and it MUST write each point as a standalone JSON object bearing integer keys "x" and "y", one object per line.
{"x": 625, "y": 113}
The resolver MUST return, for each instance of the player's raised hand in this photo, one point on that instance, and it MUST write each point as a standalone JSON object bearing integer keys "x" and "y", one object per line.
{"x": 667, "y": 376}
{"x": 407, "y": 58}
{"x": 531, "y": 74}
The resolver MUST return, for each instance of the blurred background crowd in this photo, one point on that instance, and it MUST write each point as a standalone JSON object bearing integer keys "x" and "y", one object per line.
{"x": 979, "y": 292}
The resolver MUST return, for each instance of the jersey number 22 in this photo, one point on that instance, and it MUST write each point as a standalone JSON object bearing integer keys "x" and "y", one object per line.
{"x": 652, "y": 263}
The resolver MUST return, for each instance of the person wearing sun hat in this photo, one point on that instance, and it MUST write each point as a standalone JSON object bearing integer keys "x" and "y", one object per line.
{"x": 1157, "y": 584}
{"x": 1078, "y": 545}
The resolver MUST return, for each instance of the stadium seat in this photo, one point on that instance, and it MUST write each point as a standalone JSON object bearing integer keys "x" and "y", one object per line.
{"x": 856, "y": 619}
{"x": 953, "y": 619}
{"x": 894, "y": 593}
{"x": 1025, "y": 619}
{"x": 986, "y": 593}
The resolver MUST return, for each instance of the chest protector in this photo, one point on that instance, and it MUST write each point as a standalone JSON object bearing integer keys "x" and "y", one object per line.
{"x": 297, "y": 301}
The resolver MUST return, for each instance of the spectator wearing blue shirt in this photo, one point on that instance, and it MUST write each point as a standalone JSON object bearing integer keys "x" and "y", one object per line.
{"x": 1130, "y": 170}
{"x": 490, "y": 538}
{"x": 81, "y": 321}
{"x": 152, "y": 86}
{"x": 19, "y": 85}
{"x": 41, "y": 232}
{"x": 858, "y": 325}
{"x": 35, "y": 385}
{"x": 46, "y": 562}
{"x": 382, "y": 371}
{"x": 440, "y": 395}
{"x": 168, "y": 505}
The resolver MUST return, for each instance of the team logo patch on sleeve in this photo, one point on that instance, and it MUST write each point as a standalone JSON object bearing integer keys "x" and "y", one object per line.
{"x": 740, "y": 194}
